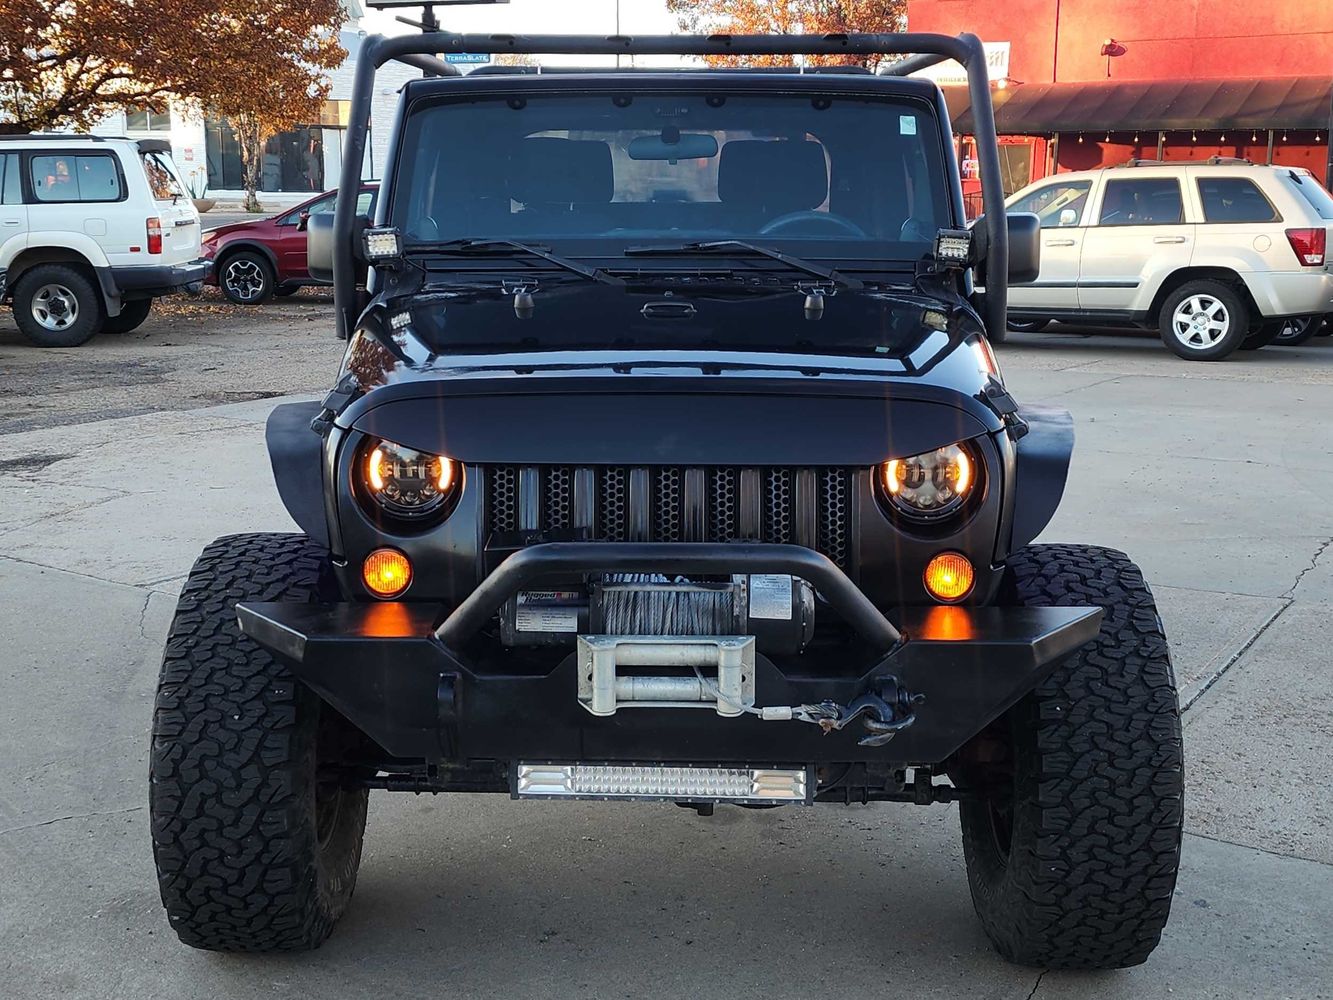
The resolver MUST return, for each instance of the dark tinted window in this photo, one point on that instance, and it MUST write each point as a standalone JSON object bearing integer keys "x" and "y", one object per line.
{"x": 1142, "y": 202}
{"x": 1234, "y": 199}
{"x": 76, "y": 177}
{"x": 849, "y": 175}
{"x": 11, "y": 188}
{"x": 1313, "y": 192}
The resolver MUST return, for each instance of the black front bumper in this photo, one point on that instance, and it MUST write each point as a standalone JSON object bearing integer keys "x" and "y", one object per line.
{"x": 397, "y": 672}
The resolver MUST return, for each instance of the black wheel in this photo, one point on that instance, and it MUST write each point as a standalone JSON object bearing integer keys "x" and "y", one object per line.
{"x": 1073, "y": 847}
{"x": 1204, "y": 321}
{"x": 1296, "y": 331}
{"x": 1029, "y": 325}
{"x": 286, "y": 291}
{"x": 56, "y": 305}
{"x": 253, "y": 851}
{"x": 132, "y": 316}
{"x": 246, "y": 277}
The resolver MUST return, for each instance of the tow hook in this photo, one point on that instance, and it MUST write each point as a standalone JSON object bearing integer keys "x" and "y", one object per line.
{"x": 884, "y": 713}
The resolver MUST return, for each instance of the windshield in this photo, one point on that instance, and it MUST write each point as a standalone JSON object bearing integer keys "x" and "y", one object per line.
{"x": 830, "y": 176}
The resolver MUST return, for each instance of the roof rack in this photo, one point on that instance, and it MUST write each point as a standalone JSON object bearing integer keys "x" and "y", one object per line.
{"x": 1212, "y": 161}
{"x": 30, "y": 136}
{"x": 425, "y": 51}
{"x": 501, "y": 70}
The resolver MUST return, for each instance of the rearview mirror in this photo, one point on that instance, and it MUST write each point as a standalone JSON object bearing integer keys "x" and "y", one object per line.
{"x": 673, "y": 145}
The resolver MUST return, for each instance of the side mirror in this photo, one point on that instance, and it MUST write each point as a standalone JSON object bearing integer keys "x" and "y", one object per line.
{"x": 303, "y": 222}
{"x": 1024, "y": 248}
{"x": 319, "y": 246}
{"x": 1068, "y": 217}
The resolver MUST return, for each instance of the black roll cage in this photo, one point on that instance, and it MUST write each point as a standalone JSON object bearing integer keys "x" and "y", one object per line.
{"x": 423, "y": 51}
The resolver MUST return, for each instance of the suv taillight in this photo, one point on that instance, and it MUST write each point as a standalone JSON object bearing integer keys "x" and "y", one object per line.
{"x": 1309, "y": 245}
{"x": 155, "y": 235}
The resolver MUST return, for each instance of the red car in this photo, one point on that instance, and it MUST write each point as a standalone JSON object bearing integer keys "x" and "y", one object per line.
{"x": 253, "y": 261}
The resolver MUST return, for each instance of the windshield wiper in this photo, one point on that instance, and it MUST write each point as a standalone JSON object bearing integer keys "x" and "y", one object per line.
{"x": 731, "y": 246}
{"x": 482, "y": 246}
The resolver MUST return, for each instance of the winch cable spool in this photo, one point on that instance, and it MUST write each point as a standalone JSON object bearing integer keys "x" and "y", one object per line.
{"x": 655, "y": 610}
{"x": 647, "y": 604}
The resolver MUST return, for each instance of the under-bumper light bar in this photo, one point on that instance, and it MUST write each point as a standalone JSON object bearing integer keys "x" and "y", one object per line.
{"x": 382, "y": 246}
{"x": 656, "y": 782}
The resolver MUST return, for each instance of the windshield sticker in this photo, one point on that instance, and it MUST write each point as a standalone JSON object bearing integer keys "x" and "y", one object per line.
{"x": 907, "y": 124}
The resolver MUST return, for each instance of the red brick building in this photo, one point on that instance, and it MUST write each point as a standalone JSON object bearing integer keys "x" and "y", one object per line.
{"x": 1086, "y": 83}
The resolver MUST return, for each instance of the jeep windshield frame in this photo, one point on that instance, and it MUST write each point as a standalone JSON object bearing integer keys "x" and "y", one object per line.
{"x": 424, "y": 51}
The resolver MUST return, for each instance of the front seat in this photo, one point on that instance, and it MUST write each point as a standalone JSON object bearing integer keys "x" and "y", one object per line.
{"x": 761, "y": 180}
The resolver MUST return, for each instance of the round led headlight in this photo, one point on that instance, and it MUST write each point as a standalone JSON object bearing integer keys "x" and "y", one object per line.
{"x": 405, "y": 482}
{"x": 932, "y": 485}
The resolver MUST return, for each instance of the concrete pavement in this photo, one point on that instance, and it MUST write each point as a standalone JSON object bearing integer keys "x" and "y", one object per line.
{"x": 1215, "y": 477}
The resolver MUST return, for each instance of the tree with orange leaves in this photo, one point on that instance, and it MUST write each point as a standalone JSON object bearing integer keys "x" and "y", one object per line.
{"x": 259, "y": 65}
{"x": 791, "y": 17}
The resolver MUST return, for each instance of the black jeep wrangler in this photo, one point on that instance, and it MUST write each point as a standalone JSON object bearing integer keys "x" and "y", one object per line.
{"x": 669, "y": 460}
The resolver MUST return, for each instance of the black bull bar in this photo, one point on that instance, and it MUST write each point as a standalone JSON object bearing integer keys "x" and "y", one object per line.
{"x": 402, "y": 672}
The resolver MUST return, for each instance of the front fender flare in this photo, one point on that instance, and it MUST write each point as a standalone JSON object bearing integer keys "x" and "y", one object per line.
{"x": 296, "y": 454}
{"x": 1041, "y": 469}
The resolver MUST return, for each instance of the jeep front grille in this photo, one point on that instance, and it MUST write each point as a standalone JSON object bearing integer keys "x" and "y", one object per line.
{"x": 802, "y": 506}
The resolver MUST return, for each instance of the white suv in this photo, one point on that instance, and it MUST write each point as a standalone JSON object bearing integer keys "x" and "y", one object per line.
{"x": 91, "y": 231}
{"x": 1216, "y": 254}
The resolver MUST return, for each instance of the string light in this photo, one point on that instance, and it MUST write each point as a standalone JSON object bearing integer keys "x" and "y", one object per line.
{"x": 1080, "y": 137}
{"x": 1284, "y": 136}
{"x": 1224, "y": 137}
{"x": 1254, "y": 137}
{"x": 1194, "y": 137}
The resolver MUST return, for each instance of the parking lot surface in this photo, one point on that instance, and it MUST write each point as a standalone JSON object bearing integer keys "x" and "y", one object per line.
{"x": 121, "y": 459}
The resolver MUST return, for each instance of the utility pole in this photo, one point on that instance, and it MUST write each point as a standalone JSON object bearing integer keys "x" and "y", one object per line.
{"x": 617, "y": 3}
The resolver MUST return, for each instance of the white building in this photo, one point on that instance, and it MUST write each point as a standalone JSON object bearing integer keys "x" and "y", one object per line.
{"x": 298, "y": 163}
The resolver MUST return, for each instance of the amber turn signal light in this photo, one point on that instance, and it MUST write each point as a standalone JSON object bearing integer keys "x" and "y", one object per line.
{"x": 386, "y": 572}
{"x": 949, "y": 577}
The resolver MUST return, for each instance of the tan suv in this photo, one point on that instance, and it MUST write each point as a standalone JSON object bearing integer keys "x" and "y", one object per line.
{"x": 1218, "y": 254}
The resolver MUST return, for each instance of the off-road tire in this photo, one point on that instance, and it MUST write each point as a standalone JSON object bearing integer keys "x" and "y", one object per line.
{"x": 86, "y": 295}
{"x": 249, "y": 856}
{"x": 1093, "y": 781}
{"x": 132, "y": 316}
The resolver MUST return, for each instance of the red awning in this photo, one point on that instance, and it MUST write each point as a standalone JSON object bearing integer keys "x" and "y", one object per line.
{"x": 1293, "y": 102}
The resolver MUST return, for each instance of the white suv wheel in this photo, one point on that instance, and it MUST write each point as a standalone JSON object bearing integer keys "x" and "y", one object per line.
{"x": 1200, "y": 322}
{"x": 55, "y": 307}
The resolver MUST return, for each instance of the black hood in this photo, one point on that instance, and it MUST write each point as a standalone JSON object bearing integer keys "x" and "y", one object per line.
{"x": 754, "y": 312}
{"x": 688, "y": 405}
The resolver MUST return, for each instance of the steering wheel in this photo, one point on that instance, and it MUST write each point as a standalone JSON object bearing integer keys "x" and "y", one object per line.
{"x": 823, "y": 218}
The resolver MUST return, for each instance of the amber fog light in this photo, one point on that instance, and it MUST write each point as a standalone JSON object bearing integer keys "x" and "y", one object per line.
{"x": 386, "y": 572}
{"x": 949, "y": 577}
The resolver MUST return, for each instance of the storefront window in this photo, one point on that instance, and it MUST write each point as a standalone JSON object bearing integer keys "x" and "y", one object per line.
{"x": 292, "y": 161}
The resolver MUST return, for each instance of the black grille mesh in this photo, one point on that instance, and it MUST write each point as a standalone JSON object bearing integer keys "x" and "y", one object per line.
{"x": 723, "y": 518}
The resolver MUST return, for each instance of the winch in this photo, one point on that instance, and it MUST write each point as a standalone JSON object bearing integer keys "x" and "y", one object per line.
{"x": 778, "y": 610}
